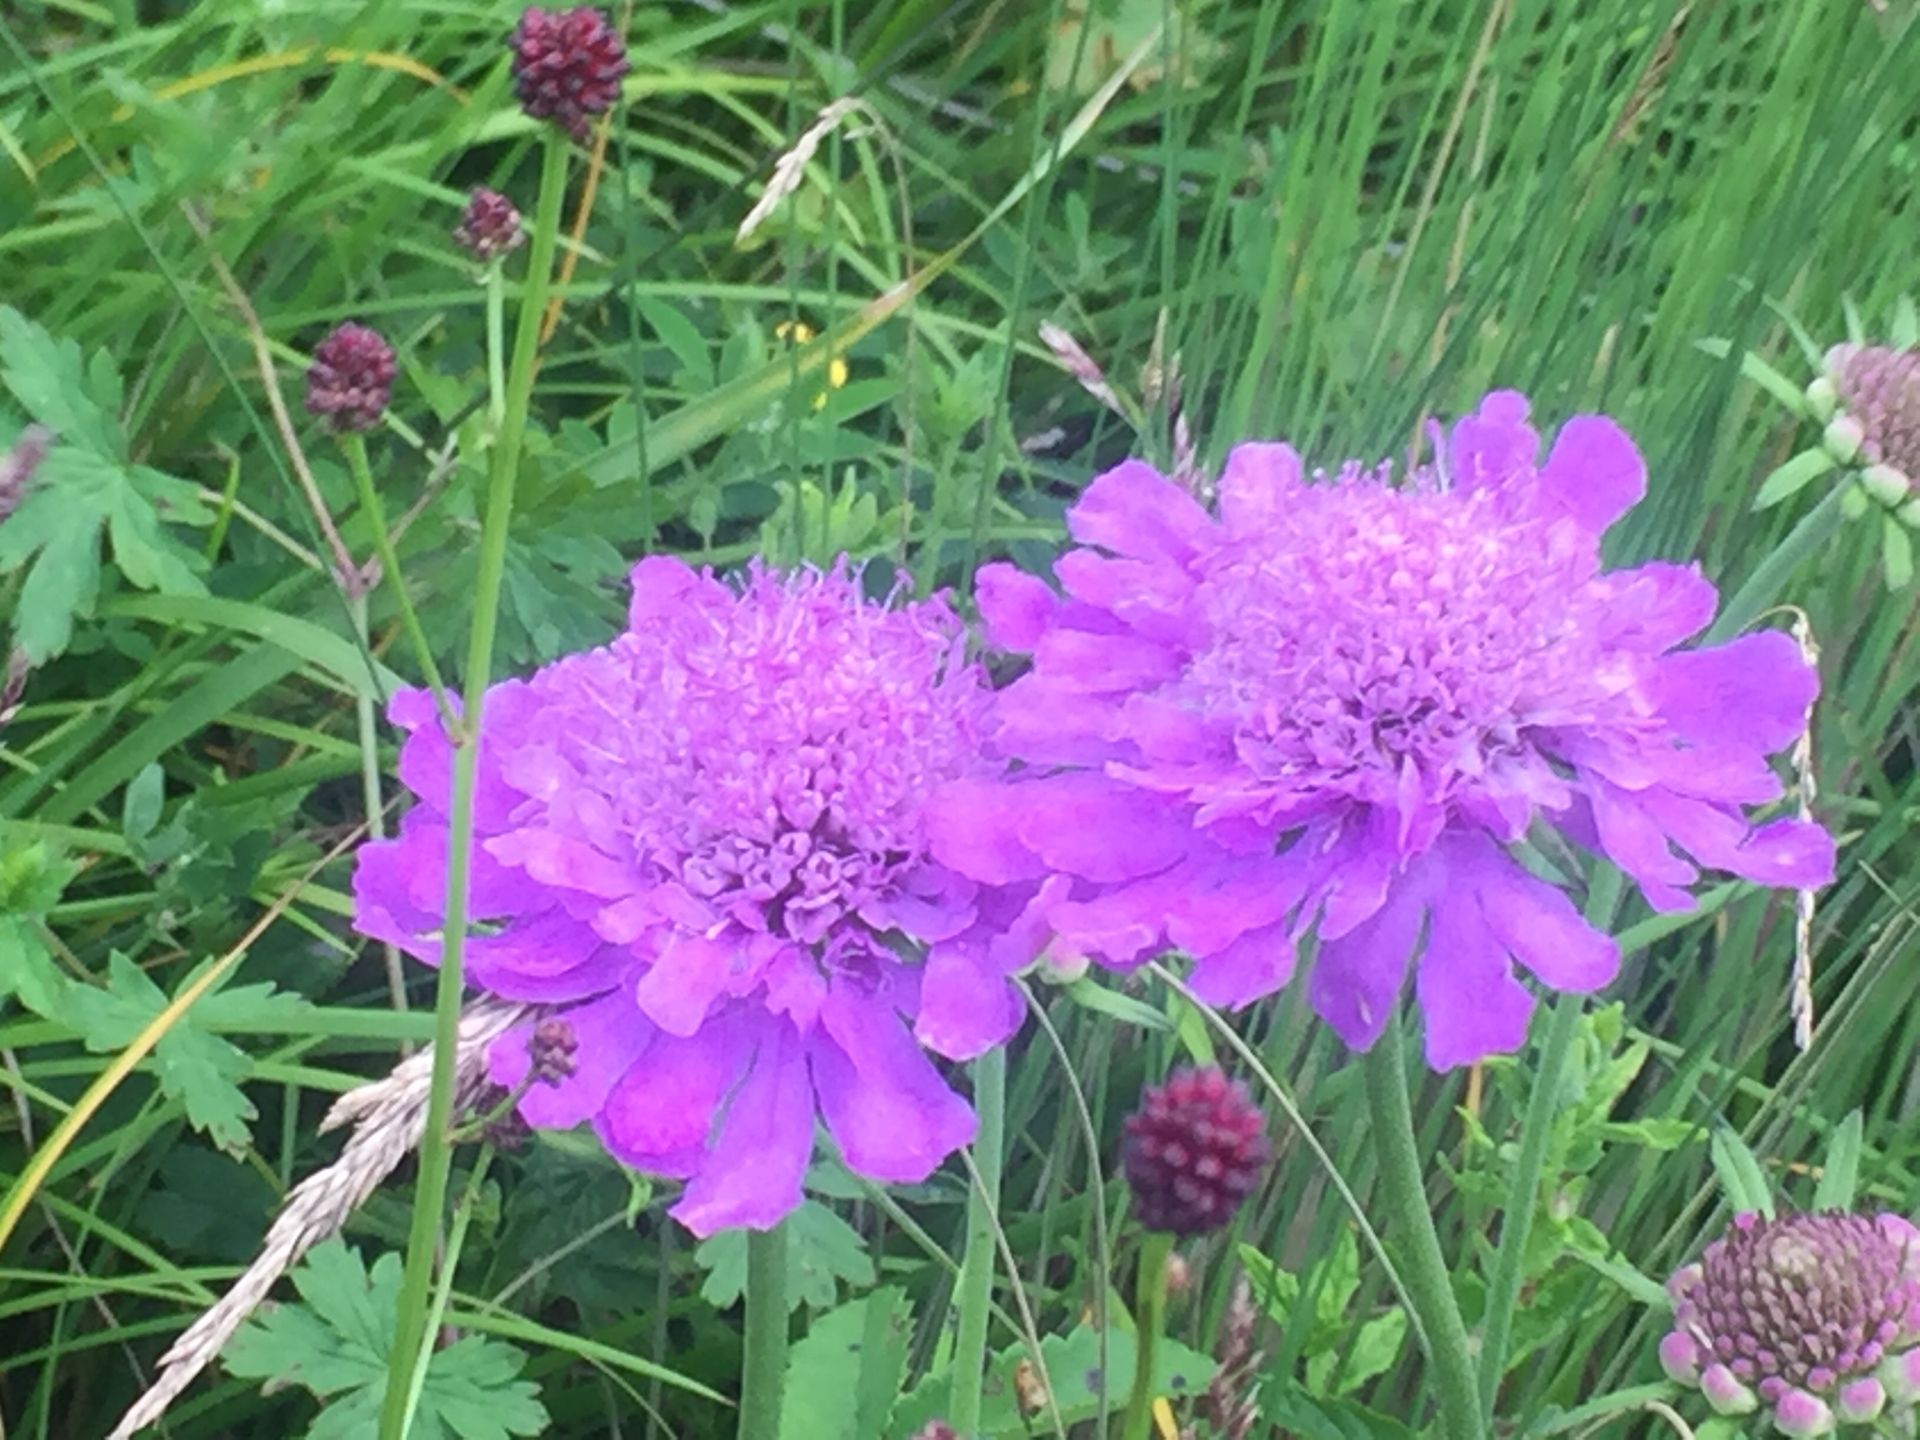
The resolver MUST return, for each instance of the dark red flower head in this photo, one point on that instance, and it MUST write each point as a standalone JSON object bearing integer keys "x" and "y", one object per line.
{"x": 351, "y": 378}
{"x": 1194, "y": 1151}
{"x": 567, "y": 65}
{"x": 489, "y": 226}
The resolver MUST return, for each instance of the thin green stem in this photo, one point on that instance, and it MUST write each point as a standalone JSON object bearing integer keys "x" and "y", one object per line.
{"x": 1516, "y": 1218}
{"x": 496, "y": 345}
{"x": 436, "y": 1153}
{"x": 355, "y": 449}
{"x": 1536, "y": 1135}
{"x": 763, "y": 1370}
{"x": 1763, "y": 587}
{"x": 443, "y": 1292}
{"x": 976, "y": 1267}
{"x": 1403, "y": 1178}
{"x": 375, "y": 805}
{"x": 1149, "y": 1319}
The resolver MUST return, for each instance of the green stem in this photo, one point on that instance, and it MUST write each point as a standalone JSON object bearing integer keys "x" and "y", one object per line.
{"x": 436, "y": 1153}
{"x": 1763, "y": 587}
{"x": 375, "y": 804}
{"x": 1425, "y": 1269}
{"x": 443, "y": 1292}
{"x": 976, "y": 1267}
{"x": 496, "y": 345}
{"x": 763, "y": 1371}
{"x": 355, "y": 449}
{"x": 1516, "y": 1219}
{"x": 1536, "y": 1135}
{"x": 1149, "y": 1319}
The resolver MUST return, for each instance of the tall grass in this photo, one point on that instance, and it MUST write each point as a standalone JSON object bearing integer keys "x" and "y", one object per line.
{"x": 1338, "y": 217}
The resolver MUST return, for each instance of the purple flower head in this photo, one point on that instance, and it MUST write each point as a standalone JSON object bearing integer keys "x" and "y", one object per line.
{"x": 1194, "y": 1152}
{"x": 1878, "y": 388}
{"x": 1815, "y": 1318}
{"x": 705, "y": 843}
{"x": 350, "y": 381}
{"x": 489, "y": 226}
{"x": 567, "y": 65}
{"x": 1333, "y": 707}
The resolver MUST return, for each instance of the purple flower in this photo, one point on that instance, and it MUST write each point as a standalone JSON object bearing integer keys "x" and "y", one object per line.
{"x": 1194, "y": 1152}
{"x": 489, "y": 226}
{"x": 1878, "y": 388}
{"x": 567, "y": 65}
{"x": 350, "y": 381}
{"x": 1336, "y": 707}
{"x": 705, "y": 843}
{"x": 1815, "y": 1317}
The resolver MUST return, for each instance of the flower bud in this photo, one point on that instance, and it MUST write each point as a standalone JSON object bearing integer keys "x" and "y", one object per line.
{"x": 1194, "y": 1151}
{"x": 489, "y": 227}
{"x": 1844, "y": 439}
{"x": 350, "y": 381}
{"x": 1886, "y": 484}
{"x": 567, "y": 65}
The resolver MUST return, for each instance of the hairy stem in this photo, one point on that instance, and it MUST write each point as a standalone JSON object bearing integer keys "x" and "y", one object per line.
{"x": 1149, "y": 1319}
{"x": 436, "y": 1152}
{"x": 976, "y": 1267}
{"x": 1425, "y": 1268}
{"x": 763, "y": 1373}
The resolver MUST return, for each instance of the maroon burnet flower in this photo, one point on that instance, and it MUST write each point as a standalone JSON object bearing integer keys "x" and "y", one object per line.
{"x": 489, "y": 227}
{"x": 567, "y": 65}
{"x": 1194, "y": 1151}
{"x": 351, "y": 378}
{"x": 553, "y": 1051}
{"x": 1815, "y": 1318}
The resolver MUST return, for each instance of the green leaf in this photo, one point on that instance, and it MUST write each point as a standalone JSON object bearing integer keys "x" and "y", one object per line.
{"x": 32, "y": 877}
{"x": 1896, "y": 550}
{"x": 194, "y": 1066}
{"x": 140, "y": 811}
{"x": 1741, "y": 1178}
{"x": 1078, "y": 1378}
{"x": 843, "y": 1377}
{"x": 1275, "y": 1289}
{"x": 86, "y": 485}
{"x": 1090, "y": 993}
{"x": 1324, "y": 1418}
{"x": 336, "y": 1343}
{"x": 1792, "y": 477}
{"x": 822, "y": 1251}
{"x": 1840, "y": 1174}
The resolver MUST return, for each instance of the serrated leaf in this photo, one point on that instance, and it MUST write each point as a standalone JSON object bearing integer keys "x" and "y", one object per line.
{"x": 1840, "y": 1174}
{"x": 1793, "y": 476}
{"x": 194, "y": 1066}
{"x": 85, "y": 486}
{"x": 1741, "y": 1178}
{"x": 843, "y": 1377}
{"x": 823, "y": 1251}
{"x": 335, "y": 1344}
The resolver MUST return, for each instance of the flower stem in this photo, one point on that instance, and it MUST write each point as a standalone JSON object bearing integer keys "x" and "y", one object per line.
{"x": 977, "y": 1265}
{"x": 1149, "y": 1319}
{"x": 496, "y": 345}
{"x": 355, "y": 449}
{"x": 1425, "y": 1268}
{"x": 369, "y": 736}
{"x": 763, "y": 1372}
{"x": 1763, "y": 587}
{"x": 1516, "y": 1217}
{"x": 436, "y": 1156}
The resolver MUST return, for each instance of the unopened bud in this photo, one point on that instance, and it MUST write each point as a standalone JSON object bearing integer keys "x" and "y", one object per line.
{"x": 1822, "y": 398}
{"x": 1844, "y": 439}
{"x": 1886, "y": 484}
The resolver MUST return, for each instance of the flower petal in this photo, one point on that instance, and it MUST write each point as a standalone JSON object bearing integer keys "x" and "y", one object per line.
{"x": 967, "y": 1006}
{"x": 1595, "y": 472}
{"x": 681, "y": 985}
{"x": 1357, "y": 978}
{"x": 754, "y": 1172}
{"x": 1638, "y": 846}
{"x": 1493, "y": 446}
{"x": 1135, "y": 510}
{"x": 1790, "y": 853}
{"x": 1255, "y": 483}
{"x": 659, "y": 1115}
{"x": 610, "y": 1035}
{"x": 659, "y": 584}
{"x": 1091, "y": 826}
{"x": 1015, "y": 608}
{"x": 1474, "y": 1007}
{"x": 890, "y": 1112}
{"x": 973, "y": 827}
{"x": 1656, "y": 606}
{"x": 1539, "y": 925}
{"x": 1248, "y": 969}
{"x": 1754, "y": 691}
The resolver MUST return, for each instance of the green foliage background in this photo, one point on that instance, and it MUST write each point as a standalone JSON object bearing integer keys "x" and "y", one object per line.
{"x": 1339, "y": 217}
